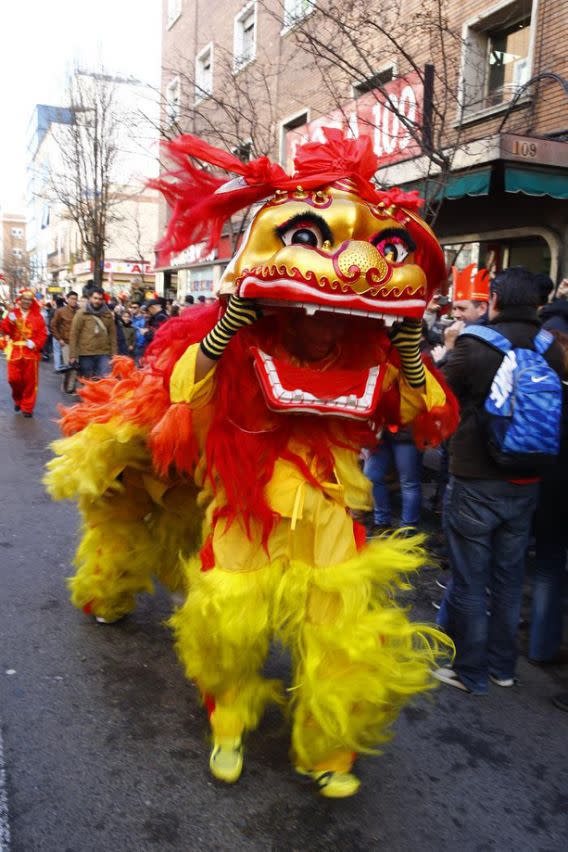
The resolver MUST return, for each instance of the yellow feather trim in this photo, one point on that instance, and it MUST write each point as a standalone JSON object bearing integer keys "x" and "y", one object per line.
{"x": 87, "y": 464}
{"x": 357, "y": 657}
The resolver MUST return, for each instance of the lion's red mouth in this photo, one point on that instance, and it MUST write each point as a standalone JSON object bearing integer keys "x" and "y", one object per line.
{"x": 343, "y": 393}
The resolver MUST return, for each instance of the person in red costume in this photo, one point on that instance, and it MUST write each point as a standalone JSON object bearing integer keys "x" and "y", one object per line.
{"x": 24, "y": 326}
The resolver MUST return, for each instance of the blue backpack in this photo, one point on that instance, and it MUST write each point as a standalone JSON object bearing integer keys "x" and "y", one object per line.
{"x": 522, "y": 414}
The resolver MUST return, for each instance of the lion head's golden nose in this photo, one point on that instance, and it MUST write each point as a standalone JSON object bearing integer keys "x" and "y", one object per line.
{"x": 356, "y": 258}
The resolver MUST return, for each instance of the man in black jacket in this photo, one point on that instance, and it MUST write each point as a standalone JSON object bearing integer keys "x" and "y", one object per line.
{"x": 156, "y": 317}
{"x": 488, "y": 511}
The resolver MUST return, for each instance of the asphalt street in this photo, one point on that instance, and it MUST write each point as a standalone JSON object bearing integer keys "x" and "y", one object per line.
{"x": 105, "y": 742}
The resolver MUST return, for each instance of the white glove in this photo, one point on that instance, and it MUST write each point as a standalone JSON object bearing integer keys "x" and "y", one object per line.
{"x": 30, "y": 344}
{"x": 12, "y": 316}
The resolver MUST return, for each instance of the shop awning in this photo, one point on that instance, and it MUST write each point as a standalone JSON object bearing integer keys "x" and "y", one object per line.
{"x": 471, "y": 183}
{"x": 475, "y": 182}
{"x": 536, "y": 182}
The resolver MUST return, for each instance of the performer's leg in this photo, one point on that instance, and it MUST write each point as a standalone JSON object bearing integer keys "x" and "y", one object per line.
{"x": 30, "y": 376}
{"x": 16, "y": 380}
{"x": 116, "y": 556}
{"x": 222, "y": 636}
{"x": 357, "y": 658}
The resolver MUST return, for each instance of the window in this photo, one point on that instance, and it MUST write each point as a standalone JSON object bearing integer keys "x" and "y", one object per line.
{"x": 17, "y": 233}
{"x": 204, "y": 73}
{"x": 291, "y": 136}
{"x": 173, "y": 101}
{"x": 381, "y": 78}
{"x": 245, "y": 36}
{"x": 295, "y": 11}
{"x": 497, "y": 57}
{"x": 174, "y": 11}
{"x": 17, "y": 253}
{"x": 508, "y": 52}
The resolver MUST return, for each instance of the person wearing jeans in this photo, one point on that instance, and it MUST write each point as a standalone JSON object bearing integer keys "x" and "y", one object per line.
{"x": 487, "y": 527}
{"x": 488, "y": 508}
{"x": 396, "y": 447}
{"x": 94, "y": 366}
{"x": 550, "y": 579}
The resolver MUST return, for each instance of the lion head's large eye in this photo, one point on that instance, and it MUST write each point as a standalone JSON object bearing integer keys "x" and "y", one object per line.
{"x": 302, "y": 235}
{"x": 310, "y": 231}
{"x": 394, "y": 244}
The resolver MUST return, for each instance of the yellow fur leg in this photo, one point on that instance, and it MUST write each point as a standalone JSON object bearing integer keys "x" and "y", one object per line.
{"x": 357, "y": 657}
{"x": 112, "y": 568}
{"x": 222, "y": 634}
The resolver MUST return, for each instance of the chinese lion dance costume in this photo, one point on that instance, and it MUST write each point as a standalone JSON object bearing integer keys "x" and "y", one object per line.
{"x": 227, "y": 466}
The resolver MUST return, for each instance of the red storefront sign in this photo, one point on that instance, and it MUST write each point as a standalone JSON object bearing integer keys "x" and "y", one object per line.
{"x": 385, "y": 117}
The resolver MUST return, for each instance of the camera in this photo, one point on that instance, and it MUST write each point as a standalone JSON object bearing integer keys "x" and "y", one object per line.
{"x": 442, "y": 301}
{"x": 436, "y": 333}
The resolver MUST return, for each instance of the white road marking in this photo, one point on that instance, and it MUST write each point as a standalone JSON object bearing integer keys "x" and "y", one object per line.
{"x": 4, "y": 821}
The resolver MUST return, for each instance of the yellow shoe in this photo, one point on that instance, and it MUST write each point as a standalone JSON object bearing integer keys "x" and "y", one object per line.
{"x": 226, "y": 761}
{"x": 332, "y": 785}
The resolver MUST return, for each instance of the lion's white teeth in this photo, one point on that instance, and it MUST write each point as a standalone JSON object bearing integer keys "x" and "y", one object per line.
{"x": 311, "y": 309}
{"x": 299, "y": 399}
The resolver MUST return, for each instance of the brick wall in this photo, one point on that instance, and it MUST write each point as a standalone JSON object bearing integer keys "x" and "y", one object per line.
{"x": 283, "y": 79}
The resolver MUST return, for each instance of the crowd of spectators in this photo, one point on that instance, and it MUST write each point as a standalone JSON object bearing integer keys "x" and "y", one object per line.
{"x": 492, "y": 515}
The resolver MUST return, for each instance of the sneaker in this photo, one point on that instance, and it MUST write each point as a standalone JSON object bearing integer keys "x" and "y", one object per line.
{"x": 332, "y": 785}
{"x": 442, "y": 584}
{"x": 450, "y": 678}
{"x": 100, "y": 620}
{"x": 226, "y": 761}
{"x": 505, "y": 682}
{"x": 16, "y": 408}
{"x": 436, "y": 605}
{"x": 27, "y": 414}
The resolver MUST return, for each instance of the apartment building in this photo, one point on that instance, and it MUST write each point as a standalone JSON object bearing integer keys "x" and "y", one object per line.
{"x": 466, "y": 100}
{"x": 58, "y": 260}
{"x": 14, "y": 269}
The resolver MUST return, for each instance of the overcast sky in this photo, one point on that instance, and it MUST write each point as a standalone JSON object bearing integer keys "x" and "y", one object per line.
{"x": 41, "y": 40}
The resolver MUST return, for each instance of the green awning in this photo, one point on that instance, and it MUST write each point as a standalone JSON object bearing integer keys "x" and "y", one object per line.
{"x": 471, "y": 183}
{"x": 475, "y": 182}
{"x": 536, "y": 182}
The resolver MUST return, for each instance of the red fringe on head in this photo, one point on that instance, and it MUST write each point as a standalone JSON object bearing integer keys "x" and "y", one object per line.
{"x": 201, "y": 203}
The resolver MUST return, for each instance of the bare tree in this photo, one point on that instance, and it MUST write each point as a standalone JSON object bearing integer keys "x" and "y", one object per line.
{"x": 358, "y": 46}
{"x": 239, "y": 114}
{"x": 16, "y": 273}
{"x": 81, "y": 178}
